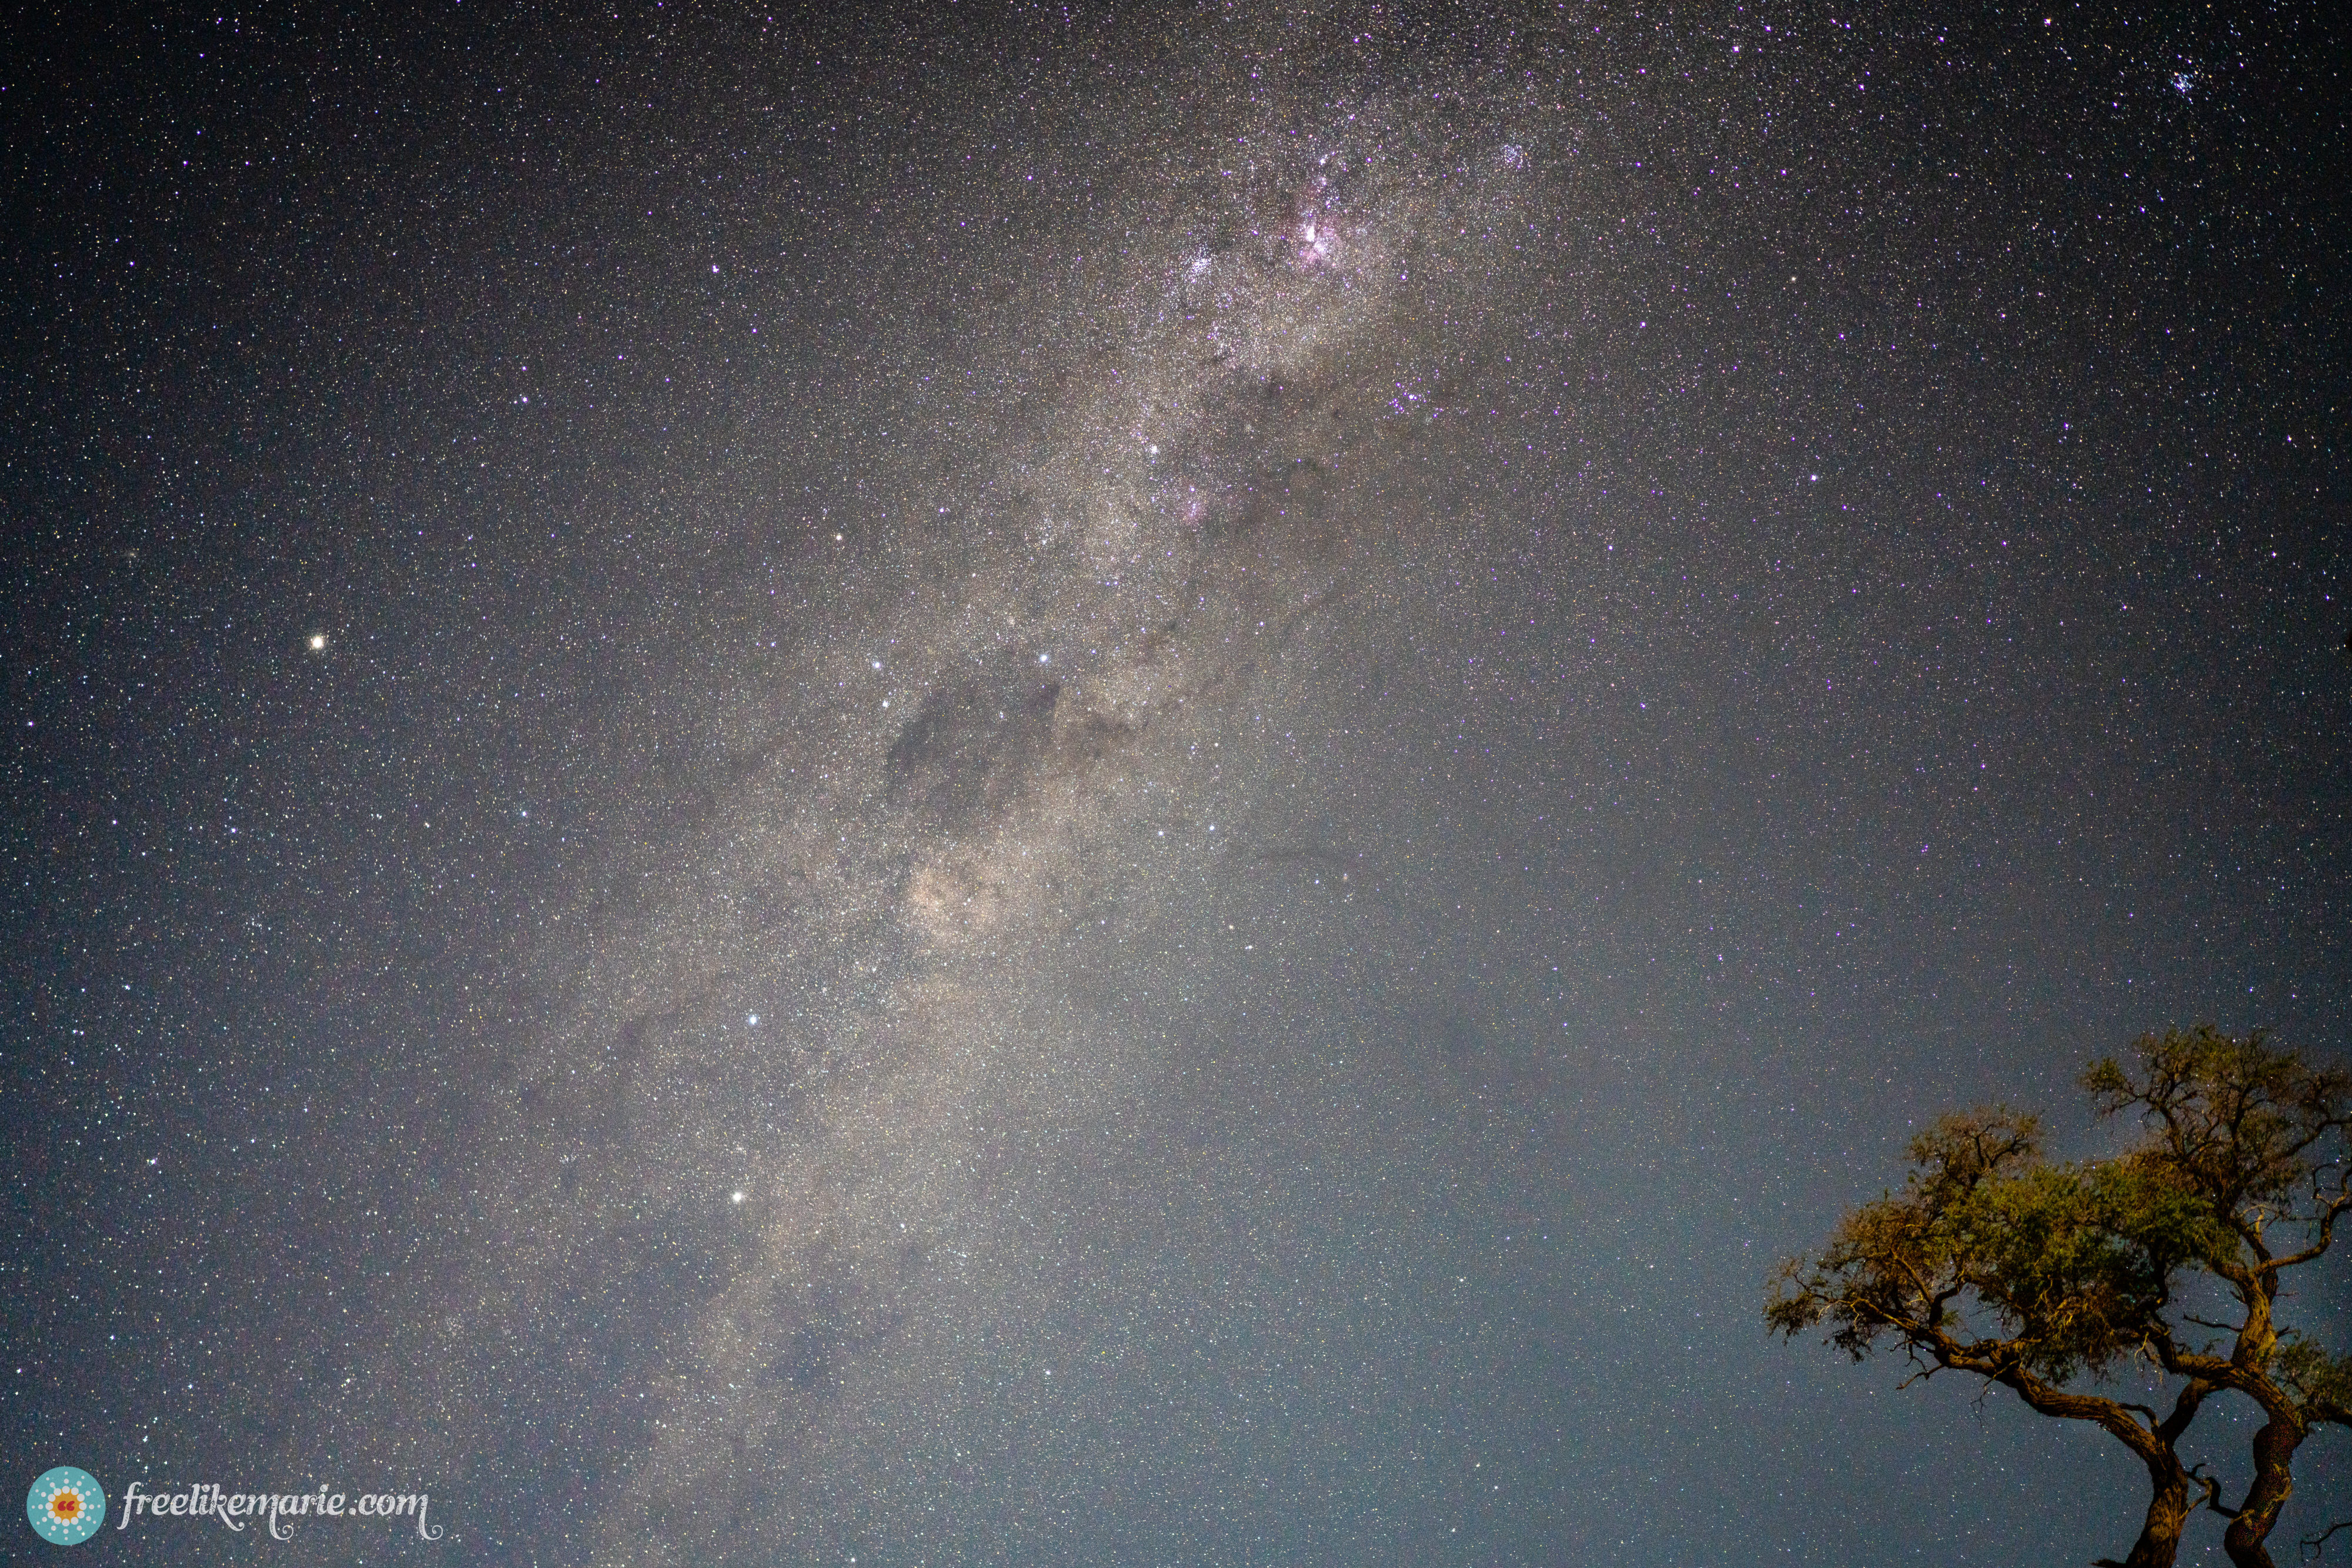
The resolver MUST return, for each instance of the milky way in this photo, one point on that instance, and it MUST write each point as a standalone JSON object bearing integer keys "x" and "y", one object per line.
{"x": 1049, "y": 782}
{"x": 1074, "y": 790}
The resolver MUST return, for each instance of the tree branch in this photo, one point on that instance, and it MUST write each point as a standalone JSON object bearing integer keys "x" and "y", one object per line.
{"x": 2327, "y": 1222}
{"x": 2313, "y": 1545}
{"x": 2213, "y": 1485}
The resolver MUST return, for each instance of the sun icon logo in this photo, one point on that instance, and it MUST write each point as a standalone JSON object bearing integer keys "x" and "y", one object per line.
{"x": 65, "y": 1505}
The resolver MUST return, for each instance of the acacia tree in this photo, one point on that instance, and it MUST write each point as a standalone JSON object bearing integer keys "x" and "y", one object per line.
{"x": 2051, "y": 1280}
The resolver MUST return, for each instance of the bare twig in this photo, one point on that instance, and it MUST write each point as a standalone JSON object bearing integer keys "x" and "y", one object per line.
{"x": 2313, "y": 1545}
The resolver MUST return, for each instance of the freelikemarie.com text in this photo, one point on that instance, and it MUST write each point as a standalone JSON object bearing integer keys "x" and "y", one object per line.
{"x": 278, "y": 1511}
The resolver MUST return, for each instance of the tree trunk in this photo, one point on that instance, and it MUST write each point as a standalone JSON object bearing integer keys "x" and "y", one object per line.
{"x": 2274, "y": 1448}
{"x": 2167, "y": 1511}
{"x": 2167, "y": 1478}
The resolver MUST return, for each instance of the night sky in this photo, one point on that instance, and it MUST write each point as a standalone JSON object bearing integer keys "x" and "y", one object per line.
{"x": 1155, "y": 786}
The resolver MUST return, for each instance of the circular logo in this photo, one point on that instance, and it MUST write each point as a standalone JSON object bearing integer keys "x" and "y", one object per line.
{"x": 66, "y": 1506}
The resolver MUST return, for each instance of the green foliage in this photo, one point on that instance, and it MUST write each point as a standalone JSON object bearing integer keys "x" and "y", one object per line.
{"x": 2069, "y": 1268}
{"x": 2320, "y": 1382}
{"x": 2064, "y": 1266}
{"x": 2253, "y": 1130}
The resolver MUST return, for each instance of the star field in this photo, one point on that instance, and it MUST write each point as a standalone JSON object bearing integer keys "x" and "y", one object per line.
{"x": 998, "y": 784}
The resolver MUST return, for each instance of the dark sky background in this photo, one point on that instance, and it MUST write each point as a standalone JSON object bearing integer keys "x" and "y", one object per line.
{"x": 1150, "y": 785}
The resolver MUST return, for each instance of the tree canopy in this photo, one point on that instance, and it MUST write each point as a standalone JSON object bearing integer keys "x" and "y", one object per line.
{"x": 2056, "y": 1280}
